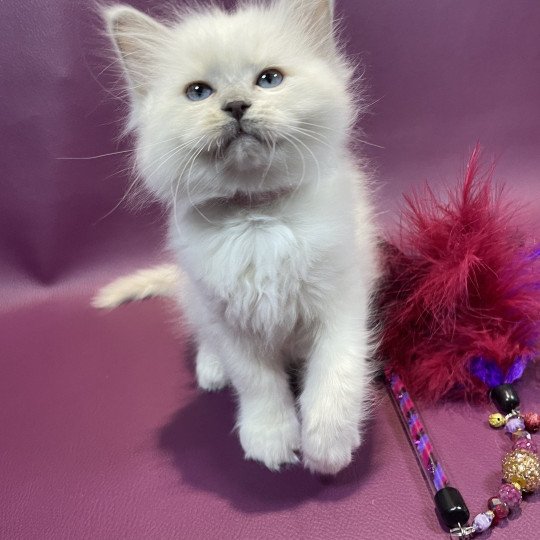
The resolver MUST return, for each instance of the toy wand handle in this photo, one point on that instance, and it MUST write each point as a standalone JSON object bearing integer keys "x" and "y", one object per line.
{"x": 448, "y": 500}
{"x": 417, "y": 434}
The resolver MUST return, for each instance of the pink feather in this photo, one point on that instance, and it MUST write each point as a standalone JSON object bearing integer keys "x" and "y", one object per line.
{"x": 459, "y": 285}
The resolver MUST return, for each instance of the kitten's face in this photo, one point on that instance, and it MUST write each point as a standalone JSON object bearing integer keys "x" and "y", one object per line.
{"x": 247, "y": 101}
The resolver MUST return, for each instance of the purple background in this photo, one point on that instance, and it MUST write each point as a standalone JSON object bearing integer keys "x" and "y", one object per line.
{"x": 102, "y": 431}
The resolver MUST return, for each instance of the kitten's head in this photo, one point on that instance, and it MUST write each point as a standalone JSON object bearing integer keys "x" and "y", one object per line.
{"x": 257, "y": 99}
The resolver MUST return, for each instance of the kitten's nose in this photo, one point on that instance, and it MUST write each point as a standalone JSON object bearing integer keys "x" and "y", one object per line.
{"x": 237, "y": 109}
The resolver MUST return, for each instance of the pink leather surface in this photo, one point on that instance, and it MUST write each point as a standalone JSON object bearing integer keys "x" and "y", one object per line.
{"x": 102, "y": 431}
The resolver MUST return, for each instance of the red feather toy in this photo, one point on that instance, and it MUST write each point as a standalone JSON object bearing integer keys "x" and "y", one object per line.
{"x": 462, "y": 286}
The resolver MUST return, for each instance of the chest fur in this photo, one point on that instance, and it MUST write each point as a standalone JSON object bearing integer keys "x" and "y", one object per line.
{"x": 255, "y": 272}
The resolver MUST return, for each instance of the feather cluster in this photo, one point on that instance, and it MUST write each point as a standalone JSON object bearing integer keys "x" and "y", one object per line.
{"x": 462, "y": 284}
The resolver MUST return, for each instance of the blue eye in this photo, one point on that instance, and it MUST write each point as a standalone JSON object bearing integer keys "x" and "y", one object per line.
{"x": 270, "y": 78}
{"x": 198, "y": 91}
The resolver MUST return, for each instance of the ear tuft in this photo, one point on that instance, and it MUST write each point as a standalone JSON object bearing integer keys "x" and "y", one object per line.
{"x": 137, "y": 39}
{"x": 317, "y": 16}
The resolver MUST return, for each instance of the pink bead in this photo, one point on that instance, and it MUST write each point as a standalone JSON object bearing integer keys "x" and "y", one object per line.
{"x": 532, "y": 422}
{"x": 510, "y": 495}
{"x": 521, "y": 434}
{"x": 526, "y": 444}
{"x": 499, "y": 508}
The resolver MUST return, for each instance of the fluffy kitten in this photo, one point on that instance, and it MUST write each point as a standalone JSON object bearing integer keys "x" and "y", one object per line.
{"x": 242, "y": 122}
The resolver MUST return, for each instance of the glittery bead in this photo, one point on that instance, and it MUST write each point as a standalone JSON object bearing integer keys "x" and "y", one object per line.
{"x": 519, "y": 434}
{"x": 496, "y": 420}
{"x": 526, "y": 444}
{"x": 522, "y": 467}
{"x": 517, "y": 486}
{"x": 499, "y": 508}
{"x": 510, "y": 495}
{"x": 482, "y": 522}
{"x": 532, "y": 422}
{"x": 515, "y": 424}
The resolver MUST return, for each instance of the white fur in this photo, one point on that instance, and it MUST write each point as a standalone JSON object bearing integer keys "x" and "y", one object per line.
{"x": 160, "y": 281}
{"x": 268, "y": 284}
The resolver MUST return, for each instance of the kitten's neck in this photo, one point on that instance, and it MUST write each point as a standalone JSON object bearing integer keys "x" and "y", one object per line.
{"x": 241, "y": 206}
{"x": 248, "y": 200}
{"x": 283, "y": 204}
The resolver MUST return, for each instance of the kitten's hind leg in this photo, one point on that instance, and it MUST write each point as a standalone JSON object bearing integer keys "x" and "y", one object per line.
{"x": 210, "y": 371}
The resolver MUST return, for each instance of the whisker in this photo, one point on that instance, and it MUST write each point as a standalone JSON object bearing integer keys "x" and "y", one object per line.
{"x": 194, "y": 206}
{"x": 272, "y": 156}
{"x": 354, "y": 136}
{"x": 307, "y": 133}
{"x": 119, "y": 152}
{"x": 316, "y": 161}
{"x": 175, "y": 193}
{"x": 303, "y": 163}
{"x": 169, "y": 155}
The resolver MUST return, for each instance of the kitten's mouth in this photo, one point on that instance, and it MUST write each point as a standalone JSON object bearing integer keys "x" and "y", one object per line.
{"x": 241, "y": 137}
{"x": 245, "y": 148}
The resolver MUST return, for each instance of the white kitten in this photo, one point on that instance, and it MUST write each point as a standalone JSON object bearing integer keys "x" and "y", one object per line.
{"x": 242, "y": 122}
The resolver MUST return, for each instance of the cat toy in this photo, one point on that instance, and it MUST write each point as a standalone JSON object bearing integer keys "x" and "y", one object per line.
{"x": 461, "y": 304}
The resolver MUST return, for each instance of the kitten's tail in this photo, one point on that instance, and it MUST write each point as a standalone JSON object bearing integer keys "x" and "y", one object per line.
{"x": 158, "y": 281}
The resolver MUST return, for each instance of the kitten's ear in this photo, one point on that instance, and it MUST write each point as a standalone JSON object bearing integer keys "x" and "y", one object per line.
{"x": 318, "y": 18}
{"x": 137, "y": 39}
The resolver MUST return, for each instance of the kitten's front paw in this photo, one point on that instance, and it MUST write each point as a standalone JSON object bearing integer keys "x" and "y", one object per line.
{"x": 329, "y": 449}
{"x": 273, "y": 442}
{"x": 211, "y": 375}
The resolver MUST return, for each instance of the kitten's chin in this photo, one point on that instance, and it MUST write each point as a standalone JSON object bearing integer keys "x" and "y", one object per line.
{"x": 246, "y": 153}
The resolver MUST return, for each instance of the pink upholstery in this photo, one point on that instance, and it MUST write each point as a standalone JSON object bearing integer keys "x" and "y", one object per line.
{"x": 102, "y": 431}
